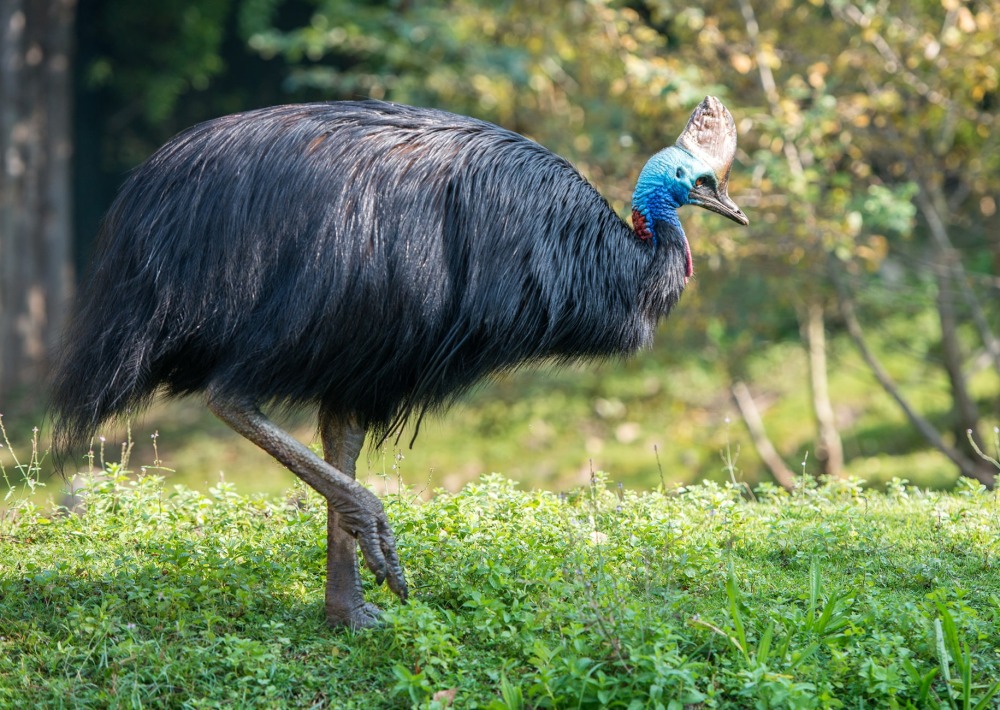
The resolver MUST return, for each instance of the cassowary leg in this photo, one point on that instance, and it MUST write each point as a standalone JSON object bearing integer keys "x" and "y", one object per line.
{"x": 359, "y": 512}
{"x": 345, "y": 601}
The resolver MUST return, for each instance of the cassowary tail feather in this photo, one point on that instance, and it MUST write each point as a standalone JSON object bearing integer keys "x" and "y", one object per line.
{"x": 102, "y": 371}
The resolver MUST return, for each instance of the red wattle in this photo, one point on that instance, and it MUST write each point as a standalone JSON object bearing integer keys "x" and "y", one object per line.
{"x": 640, "y": 227}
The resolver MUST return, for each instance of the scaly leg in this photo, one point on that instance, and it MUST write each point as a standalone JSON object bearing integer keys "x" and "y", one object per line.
{"x": 345, "y": 601}
{"x": 359, "y": 512}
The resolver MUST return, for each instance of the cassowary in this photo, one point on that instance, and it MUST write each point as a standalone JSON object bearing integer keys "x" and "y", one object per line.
{"x": 374, "y": 260}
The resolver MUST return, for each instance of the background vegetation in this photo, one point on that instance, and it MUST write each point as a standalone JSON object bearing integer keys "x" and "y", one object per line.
{"x": 850, "y": 329}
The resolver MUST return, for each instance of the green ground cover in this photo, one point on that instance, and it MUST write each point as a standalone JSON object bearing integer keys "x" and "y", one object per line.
{"x": 834, "y": 596}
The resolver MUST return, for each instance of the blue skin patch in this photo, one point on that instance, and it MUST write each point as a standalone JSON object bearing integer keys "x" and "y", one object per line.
{"x": 664, "y": 185}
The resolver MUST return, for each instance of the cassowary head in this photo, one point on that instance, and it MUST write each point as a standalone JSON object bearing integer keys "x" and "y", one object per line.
{"x": 693, "y": 171}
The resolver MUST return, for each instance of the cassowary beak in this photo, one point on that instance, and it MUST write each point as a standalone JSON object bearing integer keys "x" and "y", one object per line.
{"x": 710, "y": 136}
{"x": 709, "y": 197}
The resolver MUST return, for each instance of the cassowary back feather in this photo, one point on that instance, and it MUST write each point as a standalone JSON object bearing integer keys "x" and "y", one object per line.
{"x": 374, "y": 258}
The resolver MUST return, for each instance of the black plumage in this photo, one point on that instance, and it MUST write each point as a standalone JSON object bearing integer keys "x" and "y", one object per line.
{"x": 372, "y": 257}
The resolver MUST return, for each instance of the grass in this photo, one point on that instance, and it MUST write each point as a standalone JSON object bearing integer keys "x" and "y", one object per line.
{"x": 834, "y": 596}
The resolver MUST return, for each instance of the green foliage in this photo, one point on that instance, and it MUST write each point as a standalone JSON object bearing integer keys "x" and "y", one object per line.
{"x": 191, "y": 57}
{"x": 832, "y": 596}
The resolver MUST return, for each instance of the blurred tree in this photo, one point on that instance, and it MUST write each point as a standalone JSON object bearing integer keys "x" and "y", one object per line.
{"x": 868, "y": 119}
{"x": 72, "y": 123}
{"x": 146, "y": 72}
{"x": 35, "y": 204}
{"x": 928, "y": 93}
{"x": 140, "y": 70}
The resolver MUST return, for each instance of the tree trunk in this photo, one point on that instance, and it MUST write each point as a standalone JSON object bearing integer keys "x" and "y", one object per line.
{"x": 783, "y": 475}
{"x": 967, "y": 466}
{"x": 35, "y": 184}
{"x": 934, "y": 208}
{"x": 965, "y": 411}
{"x": 829, "y": 449}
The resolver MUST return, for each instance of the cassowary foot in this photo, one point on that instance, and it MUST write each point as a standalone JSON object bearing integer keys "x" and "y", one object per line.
{"x": 363, "y": 519}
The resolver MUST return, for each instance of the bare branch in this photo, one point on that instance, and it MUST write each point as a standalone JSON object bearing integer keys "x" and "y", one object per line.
{"x": 950, "y": 256}
{"x": 829, "y": 448}
{"x": 964, "y": 404}
{"x": 770, "y": 87}
{"x": 755, "y": 425}
{"x": 966, "y": 466}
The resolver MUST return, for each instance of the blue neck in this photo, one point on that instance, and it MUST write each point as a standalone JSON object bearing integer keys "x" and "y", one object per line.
{"x": 646, "y": 217}
{"x": 663, "y": 187}
{"x": 663, "y": 213}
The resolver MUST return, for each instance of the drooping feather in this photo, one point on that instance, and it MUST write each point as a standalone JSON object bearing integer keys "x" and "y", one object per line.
{"x": 373, "y": 258}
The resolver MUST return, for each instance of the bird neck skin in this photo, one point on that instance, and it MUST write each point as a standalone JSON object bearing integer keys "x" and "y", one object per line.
{"x": 664, "y": 185}
{"x": 662, "y": 188}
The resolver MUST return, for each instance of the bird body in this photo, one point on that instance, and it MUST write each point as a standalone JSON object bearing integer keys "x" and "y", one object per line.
{"x": 373, "y": 259}
{"x": 396, "y": 255}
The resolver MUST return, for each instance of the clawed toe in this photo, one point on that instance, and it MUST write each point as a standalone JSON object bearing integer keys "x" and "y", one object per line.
{"x": 378, "y": 547}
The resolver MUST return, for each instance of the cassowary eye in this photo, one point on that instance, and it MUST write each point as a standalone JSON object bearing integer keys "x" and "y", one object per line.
{"x": 700, "y": 181}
